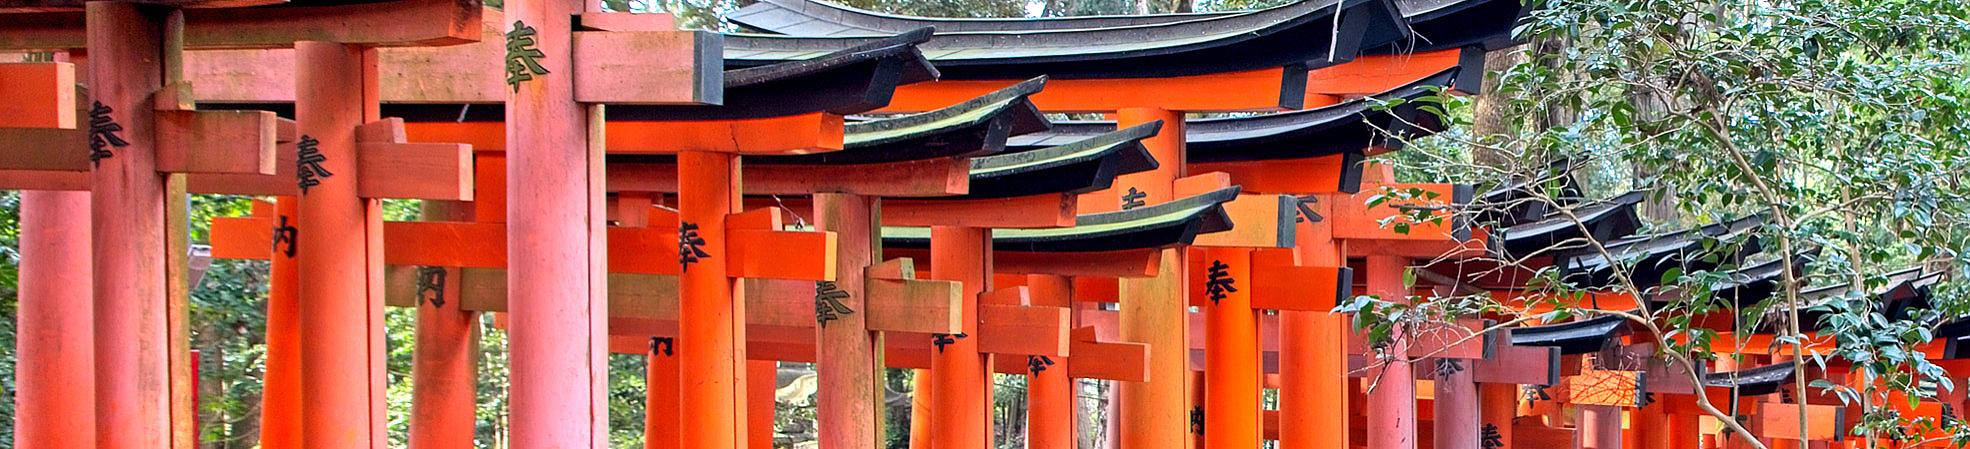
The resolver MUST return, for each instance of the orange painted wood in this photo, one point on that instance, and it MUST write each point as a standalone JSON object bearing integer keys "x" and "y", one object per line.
{"x": 1050, "y": 417}
{"x": 624, "y": 21}
{"x": 760, "y": 375}
{"x": 556, "y": 235}
{"x": 342, "y": 304}
{"x": 1391, "y": 403}
{"x": 1037, "y": 211}
{"x": 55, "y": 378}
{"x": 1356, "y": 221}
{"x": 1314, "y": 385}
{"x": 959, "y": 372}
{"x": 1092, "y": 359}
{"x": 1310, "y": 289}
{"x": 1033, "y": 330}
{"x": 1610, "y": 388}
{"x": 280, "y": 409}
{"x": 132, "y": 333}
{"x": 1369, "y": 75}
{"x": 1498, "y": 408}
{"x": 1157, "y": 412}
{"x": 808, "y": 133}
{"x": 444, "y": 369}
{"x": 39, "y": 95}
{"x": 1289, "y": 176}
{"x": 714, "y": 321}
{"x": 848, "y": 368}
{"x": 1252, "y": 90}
{"x": 426, "y": 171}
{"x": 43, "y": 180}
{"x": 1257, "y": 223}
{"x": 940, "y": 177}
{"x": 430, "y": 75}
{"x": 1455, "y": 412}
{"x": 440, "y": 244}
{"x": 661, "y": 412}
{"x": 1599, "y": 427}
{"x": 921, "y": 400}
{"x": 236, "y": 142}
{"x": 646, "y": 67}
{"x": 48, "y": 149}
{"x": 782, "y": 254}
{"x": 798, "y": 134}
{"x": 420, "y": 22}
{"x": 1781, "y": 420}
{"x": 1231, "y": 349}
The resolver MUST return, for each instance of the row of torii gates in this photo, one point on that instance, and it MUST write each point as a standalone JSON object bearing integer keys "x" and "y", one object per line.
{"x": 854, "y": 190}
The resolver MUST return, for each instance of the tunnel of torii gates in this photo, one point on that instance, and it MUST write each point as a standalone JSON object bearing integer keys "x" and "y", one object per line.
{"x": 832, "y": 186}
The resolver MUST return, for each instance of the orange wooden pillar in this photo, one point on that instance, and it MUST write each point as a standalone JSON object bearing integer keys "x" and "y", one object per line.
{"x": 554, "y": 214}
{"x": 711, "y": 343}
{"x": 1050, "y": 417}
{"x": 1653, "y": 428}
{"x": 760, "y": 376}
{"x": 959, "y": 381}
{"x": 660, "y": 415}
{"x": 1154, "y": 310}
{"x": 1231, "y": 352}
{"x": 280, "y": 395}
{"x": 1392, "y": 403}
{"x": 134, "y": 375}
{"x": 55, "y": 404}
{"x": 1314, "y": 386}
{"x": 849, "y": 405}
{"x": 1456, "y": 419}
{"x": 921, "y": 417}
{"x": 1500, "y": 404}
{"x": 445, "y": 371}
{"x": 339, "y": 255}
{"x": 1599, "y": 427}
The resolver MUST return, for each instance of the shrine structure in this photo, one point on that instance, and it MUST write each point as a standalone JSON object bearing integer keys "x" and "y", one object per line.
{"x": 857, "y": 191}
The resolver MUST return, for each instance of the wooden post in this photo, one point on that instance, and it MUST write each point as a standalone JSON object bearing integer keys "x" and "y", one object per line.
{"x": 1313, "y": 391}
{"x": 445, "y": 372}
{"x": 1599, "y": 427}
{"x": 849, "y": 405}
{"x": 280, "y": 396}
{"x": 661, "y": 414}
{"x": 1456, "y": 412}
{"x": 921, "y": 399}
{"x": 1500, "y": 403}
{"x": 55, "y": 405}
{"x": 1050, "y": 416}
{"x": 1231, "y": 351}
{"x": 959, "y": 380}
{"x": 1652, "y": 427}
{"x": 133, "y": 382}
{"x": 759, "y": 402}
{"x": 711, "y": 341}
{"x": 1392, "y": 403}
{"x": 340, "y": 258}
{"x": 1156, "y": 413}
{"x": 555, "y": 218}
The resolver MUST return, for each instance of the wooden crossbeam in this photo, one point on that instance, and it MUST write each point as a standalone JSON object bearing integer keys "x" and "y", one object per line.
{"x": 400, "y": 23}
{"x": 1259, "y": 221}
{"x": 1385, "y": 228}
{"x": 1278, "y": 282}
{"x": 909, "y": 305}
{"x": 1125, "y": 362}
{"x": 1781, "y": 420}
{"x": 1037, "y": 211}
{"x": 187, "y": 141}
{"x": 388, "y": 166}
{"x": 638, "y": 63}
{"x": 1328, "y": 174}
{"x": 1616, "y": 388}
{"x": 931, "y": 178}
{"x": 1252, "y": 90}
{"x": 1108, "y": 264}
{"x": 805, "y": 133}
{"x": 1369, "y": 75}
{"x": 755, "y": 253}
{"x": 39, "y": 95}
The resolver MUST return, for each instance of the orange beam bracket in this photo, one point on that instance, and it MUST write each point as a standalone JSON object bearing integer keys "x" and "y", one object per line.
{"x": 39, "y": 95}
